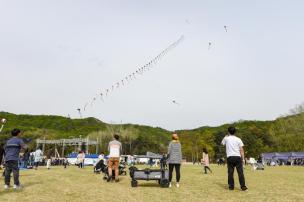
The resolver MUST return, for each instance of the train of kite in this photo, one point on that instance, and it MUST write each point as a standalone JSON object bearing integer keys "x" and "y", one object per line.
{"x": 130, "y": 77}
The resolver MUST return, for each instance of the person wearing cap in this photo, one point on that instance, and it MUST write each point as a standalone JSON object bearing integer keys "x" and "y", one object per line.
{"x": 235, "y": 157}
{"x": 174, "y": 158}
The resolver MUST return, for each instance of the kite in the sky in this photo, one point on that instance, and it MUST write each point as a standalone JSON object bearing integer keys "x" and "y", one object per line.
{"x": 79, "y": 111}
{"x": 93, "y": 101}
{"x": 209, "y": 45}
{"x": 85, "y": 106}
{"x": 225, "y": 27}
{"x": 174, "y": 102}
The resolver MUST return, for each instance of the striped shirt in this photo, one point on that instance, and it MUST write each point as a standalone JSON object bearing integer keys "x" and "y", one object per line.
{"x": 175, "y": 153}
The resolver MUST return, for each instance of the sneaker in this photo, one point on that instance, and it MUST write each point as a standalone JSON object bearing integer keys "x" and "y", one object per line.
{"x": 244, "y": 189}
{"x": 6, "y": 187}
{"x": 116, "y": 180}
{"x": 177, "y": 185}
{"x": 231, "y": 188}
{"x": 170, "y": 185}
{"x": 109, "y": 178}
{"x": 16, "y": 187}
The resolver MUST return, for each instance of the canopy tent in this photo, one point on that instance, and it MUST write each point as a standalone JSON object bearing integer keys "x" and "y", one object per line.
{"x": 282, "y": 155}
{"x": 90, "y": 159}
{"x": 74, "y": 155}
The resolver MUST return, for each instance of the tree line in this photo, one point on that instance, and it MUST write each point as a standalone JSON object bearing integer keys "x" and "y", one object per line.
{"x": 284, "y": 134}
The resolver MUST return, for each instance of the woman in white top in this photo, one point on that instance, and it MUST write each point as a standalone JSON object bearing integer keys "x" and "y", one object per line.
{"x": 38, "y": 154}
{"x": 80, "y": 159}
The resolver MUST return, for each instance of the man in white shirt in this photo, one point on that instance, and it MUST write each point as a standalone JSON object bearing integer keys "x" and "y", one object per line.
{"x": 114, "y": 156}
{"x": 235, "y": 157}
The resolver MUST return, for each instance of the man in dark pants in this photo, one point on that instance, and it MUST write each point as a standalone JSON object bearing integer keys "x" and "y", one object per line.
{"x": 235, "y": 158}
{"x": 12, "y": 150}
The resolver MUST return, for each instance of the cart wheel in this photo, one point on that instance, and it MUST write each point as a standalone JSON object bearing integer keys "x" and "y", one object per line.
{"x": 164, "y": 183}
{"x": 133, "y": 183}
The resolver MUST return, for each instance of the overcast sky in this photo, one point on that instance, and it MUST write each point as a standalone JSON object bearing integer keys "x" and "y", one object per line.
{"x": 57, "y": 55}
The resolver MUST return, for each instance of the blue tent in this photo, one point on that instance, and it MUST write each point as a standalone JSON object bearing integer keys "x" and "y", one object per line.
{"x": 74, "y": 155}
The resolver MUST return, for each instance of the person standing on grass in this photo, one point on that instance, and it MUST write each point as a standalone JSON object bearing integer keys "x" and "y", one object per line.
{"x": 235, "y": 157}
{"x": 12, "y": 149}
{"x": 48, "y": 160}
{"x": 206, "y": 161}
{"x": 80, "y": 159}
{"x": 38, "y": 154}
{"x": 115, "y": 150}
{"x": 65, "y": 162}
{"x": 26, "y": 158}
{"x": 174, "y": 158}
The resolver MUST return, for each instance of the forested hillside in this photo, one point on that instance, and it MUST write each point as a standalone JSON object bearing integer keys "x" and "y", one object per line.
{"x": 283, "y": 134}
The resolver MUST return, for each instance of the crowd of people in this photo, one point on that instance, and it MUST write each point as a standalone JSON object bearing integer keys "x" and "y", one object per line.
{"x": 34, "y": 159}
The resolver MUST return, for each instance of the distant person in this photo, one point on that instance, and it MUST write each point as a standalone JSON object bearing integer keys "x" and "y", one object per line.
{"x": 80, "y": 159}
{"x": 174, "y": 158}
{"x": 38, "y": 155}
{"x": 12, "y": 149}
{"x": 65, "y": 163}
{"x": 115, "y": 150}
{"x": 48, "y": 160}
{"x": 235, "y": 158}
{"x": 32, "y": 158}
{"x": 101, "y": 156}
{"x": 26, "y": 158}
{"x": 206, "y": 161}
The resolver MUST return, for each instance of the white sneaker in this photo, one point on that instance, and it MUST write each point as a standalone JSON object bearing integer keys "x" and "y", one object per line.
{"x": 6, "y": 187}
{"x": 170, "y": 185}
{"x": 177, "y": 185}
{"x": 16, "y": 187}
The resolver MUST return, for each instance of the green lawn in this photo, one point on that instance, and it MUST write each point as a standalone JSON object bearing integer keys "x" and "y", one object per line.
{"x": 72, "y": 184}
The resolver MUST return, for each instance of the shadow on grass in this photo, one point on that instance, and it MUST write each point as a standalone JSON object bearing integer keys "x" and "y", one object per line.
{"x": 12, "y": 191}
{"x": 150, "y": 185}
{"x": 26, "y": 175}
{"x": 222, "y": 185}
{"x": 31, "y": 184}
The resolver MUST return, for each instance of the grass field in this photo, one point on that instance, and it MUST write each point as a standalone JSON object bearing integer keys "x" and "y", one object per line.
{"x": 73, "y": 184}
